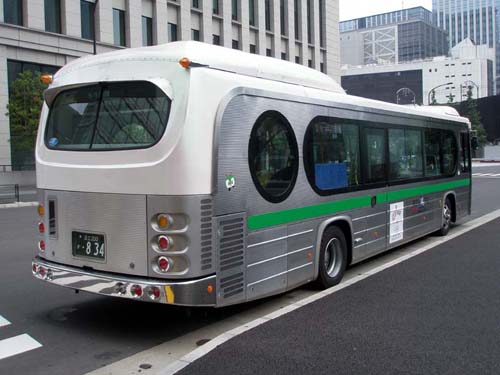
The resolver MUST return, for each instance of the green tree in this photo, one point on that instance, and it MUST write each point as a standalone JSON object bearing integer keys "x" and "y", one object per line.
{"x": 24, "y": 107}
{"x": 472, "y": 113}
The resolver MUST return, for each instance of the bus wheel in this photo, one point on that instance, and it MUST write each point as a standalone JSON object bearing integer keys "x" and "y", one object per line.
{"x": 332, "y": 257}
{"x": 446, "y": 220}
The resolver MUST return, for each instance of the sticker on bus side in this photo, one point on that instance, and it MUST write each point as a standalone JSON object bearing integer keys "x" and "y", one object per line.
{"x": 396, "y": 222}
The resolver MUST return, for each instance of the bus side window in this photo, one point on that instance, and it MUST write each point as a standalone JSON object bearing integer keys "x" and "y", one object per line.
{"x": 449, "y": 149}
{"x": 464, "y": 152}
{"x": 432, "y": 152}
{"x": 375, "y": 148}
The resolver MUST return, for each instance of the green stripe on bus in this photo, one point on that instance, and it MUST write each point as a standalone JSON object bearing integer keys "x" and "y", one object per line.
{"x": 310, "y": 212}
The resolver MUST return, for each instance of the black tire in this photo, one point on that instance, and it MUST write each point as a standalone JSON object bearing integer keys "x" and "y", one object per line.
{"x": 332, "y": 258}
{"x": 447, "y": 215}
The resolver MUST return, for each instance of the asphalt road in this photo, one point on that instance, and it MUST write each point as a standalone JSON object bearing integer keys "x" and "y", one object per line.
{"x": 83, "y": 332}
{"x": 436, "y": 313}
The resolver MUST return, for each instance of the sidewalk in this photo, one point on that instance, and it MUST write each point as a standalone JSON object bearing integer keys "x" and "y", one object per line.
{"x": 436, "y": 313}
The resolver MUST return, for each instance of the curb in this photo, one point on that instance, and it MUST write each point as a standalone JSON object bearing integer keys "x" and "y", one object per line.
{"x": 18, "y": 205}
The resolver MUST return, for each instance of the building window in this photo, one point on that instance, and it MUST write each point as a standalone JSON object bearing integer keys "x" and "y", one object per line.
{"x": 332, "y": 155}
{"x": 310, "y": 63}
{"x": 172, "y": 32}
{"x": 87, "y": 19}
{"x": 147, "y": 31}
{"x": 119, "y": 27}
{"x": 283, "y": 56}
{"x": 251, "y": 12}
{"x": 215, "y": 6}
{"x": 269, "y": 52}
{"x": 322, "y": 67}
{"x": 235, "y": 44}
{"x": 195, "y": 4}
{"x": 216, "y": 40}
{"x": 13, "y": 12}
{"x": 310, "y": 23}
{"x": 235, "y": 10}
{"x": 322, "y": 26}
{"x": 283, "y": 18}
{"x": 52, "y": 10}
{"x": 195, "y": 35}
{"x": 253, "y": 48}
{"x": 297, "y": 18}
{"x": 268, "y": 15}
{"x": 297, "y": 59}
{"x": 273, "y": 156}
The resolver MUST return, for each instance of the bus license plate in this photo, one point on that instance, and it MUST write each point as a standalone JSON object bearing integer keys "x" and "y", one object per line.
{"x": 88, "y": 245}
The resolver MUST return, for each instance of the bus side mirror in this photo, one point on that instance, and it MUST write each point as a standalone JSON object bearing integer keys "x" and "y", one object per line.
{"x": 474, "y": 143}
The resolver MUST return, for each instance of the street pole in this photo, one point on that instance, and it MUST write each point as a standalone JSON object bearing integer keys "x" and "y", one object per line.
{"x": 434, "y": 90}
{"x": 95, "y": 32}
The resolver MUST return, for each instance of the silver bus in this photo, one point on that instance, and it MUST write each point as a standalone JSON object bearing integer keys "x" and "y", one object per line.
{"x": 196, "y": 175}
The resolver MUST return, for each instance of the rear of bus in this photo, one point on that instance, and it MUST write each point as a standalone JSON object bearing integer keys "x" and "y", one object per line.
{"x": 125, "y": 207}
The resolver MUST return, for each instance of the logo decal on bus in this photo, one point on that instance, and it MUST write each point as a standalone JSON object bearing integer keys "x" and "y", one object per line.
{"x": 53, "y": 142}
{"x": 230, "y": 182}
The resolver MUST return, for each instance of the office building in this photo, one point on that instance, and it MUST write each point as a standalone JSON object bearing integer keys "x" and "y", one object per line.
{"x": 440, "y": 79}
{"x": 477, "y": 20}
{"x": 394, "y": 37}
{"x": 43, "y": 35}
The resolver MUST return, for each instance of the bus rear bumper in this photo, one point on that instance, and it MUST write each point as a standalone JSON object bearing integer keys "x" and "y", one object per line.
{"x": 200, "y": 292}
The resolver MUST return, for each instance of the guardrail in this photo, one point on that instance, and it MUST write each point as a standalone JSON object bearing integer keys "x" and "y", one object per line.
{"x": 16, "y": 168}
{"x": 15, "y": 193}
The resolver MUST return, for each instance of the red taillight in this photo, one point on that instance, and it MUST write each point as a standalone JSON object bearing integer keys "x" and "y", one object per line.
{"x": 41, "y": 227}
{"x": 41, "y": 245}
{"x": 41, "y": 271}
{"x": 163, "y": 264}
{"x": 154, "y": 293}
{"x": 163, "y": 242}
{"x": 34, "y": 268}
{"x": 136, "y": 290}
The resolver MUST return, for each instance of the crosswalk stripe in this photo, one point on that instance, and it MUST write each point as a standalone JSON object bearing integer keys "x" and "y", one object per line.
{"x": 3, "y": 321}
{"x": 17, "y": 345}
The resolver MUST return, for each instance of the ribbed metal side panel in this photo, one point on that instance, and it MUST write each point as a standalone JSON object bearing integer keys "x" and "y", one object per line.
{"x": 206, "y": 234}
{"x": 231, "y": 244}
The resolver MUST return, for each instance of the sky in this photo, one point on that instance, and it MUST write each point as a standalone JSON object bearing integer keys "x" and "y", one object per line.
{"x": 350, "y": 9}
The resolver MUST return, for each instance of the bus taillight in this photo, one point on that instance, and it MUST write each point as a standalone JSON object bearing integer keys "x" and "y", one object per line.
{"x": 41, "y": 245}
{"x": 164, "y": 242}
{"x": 41, "y": 209}
{"x": 154, "y": 293}
{"x": 41, "y": 227}
{"x": 136, "y": 290}
{"x": 163, "y": 264}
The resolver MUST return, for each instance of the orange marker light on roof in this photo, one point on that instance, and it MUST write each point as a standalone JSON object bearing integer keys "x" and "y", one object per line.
{"x": 46, "y": 78}
{"x": 184, "y": 62}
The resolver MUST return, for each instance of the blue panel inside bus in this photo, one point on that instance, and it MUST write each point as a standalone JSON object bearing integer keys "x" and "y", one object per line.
{"x": 331, "y": 176}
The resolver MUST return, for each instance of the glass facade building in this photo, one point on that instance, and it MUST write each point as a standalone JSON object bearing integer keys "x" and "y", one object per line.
{"x": 393, "y": 37}
{"x": 478, "y": 20}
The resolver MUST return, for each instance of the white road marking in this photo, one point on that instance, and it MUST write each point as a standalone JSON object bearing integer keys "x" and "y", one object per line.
{"x": 3, "y": 321}
{"x": 17, "y": 345}
{"x": 490, "y": 175}
{"x": 187, "y": 359}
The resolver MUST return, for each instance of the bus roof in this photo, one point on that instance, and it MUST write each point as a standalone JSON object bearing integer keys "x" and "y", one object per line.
{"x": 226, "y": 59}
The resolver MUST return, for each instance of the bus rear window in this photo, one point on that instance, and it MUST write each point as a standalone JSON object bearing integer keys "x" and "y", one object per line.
{"x": 108, "y": 116}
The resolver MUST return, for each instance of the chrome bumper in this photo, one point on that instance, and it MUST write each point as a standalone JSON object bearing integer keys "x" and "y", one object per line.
{"x": 199, "y": 292}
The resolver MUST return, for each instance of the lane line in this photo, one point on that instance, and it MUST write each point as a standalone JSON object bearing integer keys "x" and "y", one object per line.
{"x": 17, "y": 345}
{"x": 3, "y": 321}
{"x": 219, "y": 340}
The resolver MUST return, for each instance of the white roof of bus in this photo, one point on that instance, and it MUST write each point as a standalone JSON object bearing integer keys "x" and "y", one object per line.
{"x": 221, "y": 58}
{"x": 253, "y": 65}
